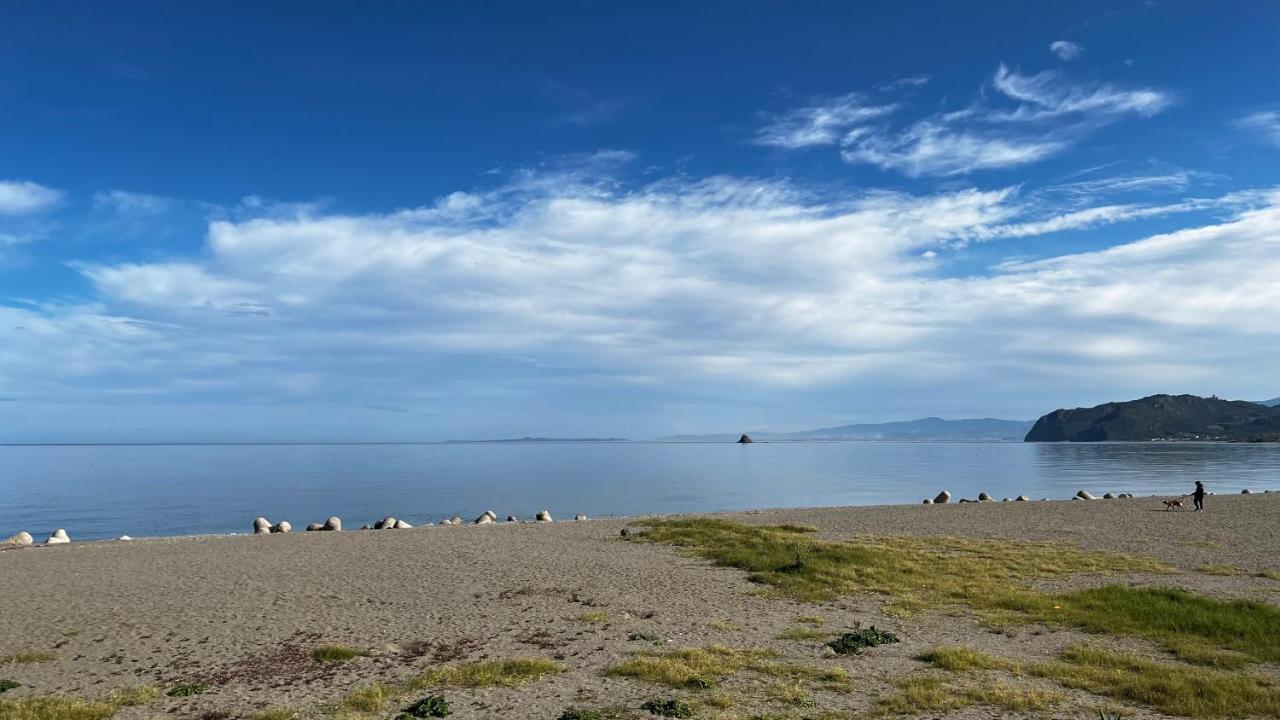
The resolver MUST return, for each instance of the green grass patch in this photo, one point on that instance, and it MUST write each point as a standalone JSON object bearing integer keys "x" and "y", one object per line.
{"x": 803, "y": 633}
{"x": 56, "y": 708}
{"x": 186, "y": 689}
{"x": 1217, "y": 569}
{"x": 990, "y": 575}
{"x": 924, "y": 694}
{"x": 1171, "y": 689}
{"x": 814, "y": 620}
{"x": 1193, "y": 627}
{"x": 134, "y": 696}
{"x": 336, "y": 653}
{"x": 27, "y": 658}
{"x": 377, "y": 697}
{"x": 959, "y": 659}
{"x": 7, "y": 685}
{"x": 930, "y": 570}
{"x": 690, "y": 667}
{"x": 593, "y": 617}
{"x": 501, "y": 673}
{"x": 581, "y": 714}
{"x": 724, "y": 625}
{"x": 1268, "y": 574}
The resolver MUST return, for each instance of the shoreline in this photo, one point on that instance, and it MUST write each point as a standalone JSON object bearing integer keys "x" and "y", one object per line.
{"x": 297, "y": 530}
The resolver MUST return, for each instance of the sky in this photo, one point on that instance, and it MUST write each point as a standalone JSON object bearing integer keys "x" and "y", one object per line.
{"x": 408, "y": 221}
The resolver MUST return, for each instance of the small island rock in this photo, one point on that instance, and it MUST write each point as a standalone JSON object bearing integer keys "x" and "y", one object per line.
{"x": 745, "y": 439}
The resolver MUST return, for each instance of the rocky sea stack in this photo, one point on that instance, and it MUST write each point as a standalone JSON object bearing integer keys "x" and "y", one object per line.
{"x": 745, "y": 439}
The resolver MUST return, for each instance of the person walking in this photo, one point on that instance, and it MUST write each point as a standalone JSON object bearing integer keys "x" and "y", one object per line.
{"x": 1198, "y": 495}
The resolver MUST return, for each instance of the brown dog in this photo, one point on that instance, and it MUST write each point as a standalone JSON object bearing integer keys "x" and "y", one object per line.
{"x": 1171, "y": 504}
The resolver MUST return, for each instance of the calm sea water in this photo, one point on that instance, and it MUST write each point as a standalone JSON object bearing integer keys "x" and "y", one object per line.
{"x": 105, "y": 491}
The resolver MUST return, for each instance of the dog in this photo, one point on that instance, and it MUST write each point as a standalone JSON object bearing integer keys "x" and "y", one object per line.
{"x": 1174, "y": 503}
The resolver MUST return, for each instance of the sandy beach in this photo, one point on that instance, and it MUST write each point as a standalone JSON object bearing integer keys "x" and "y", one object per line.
{"x": 241, "y": 615}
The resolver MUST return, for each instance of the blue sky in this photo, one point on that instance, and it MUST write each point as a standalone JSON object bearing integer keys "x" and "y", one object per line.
{"x": 276, "y": 221}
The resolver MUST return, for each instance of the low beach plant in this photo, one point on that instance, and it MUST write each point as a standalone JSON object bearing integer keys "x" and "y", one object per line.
{"x": 186, "y": 689}
{"x": 644, "y": 637}
{"x": 851, "y": 643}
{"x": 336, "y": 653}
{"x": 27, "y": 658}
{"x": 671, "y": 707}
{"x": 6, "y": 684}
{"x": 1172, "y": 689}
{"x": 431, "y": 706}
{"x": 960, "y": 659}
{"x": 1268, "y": 574}
{"x": 56, "y": 708}
{"x": 581, "y": 714}
{"x": 593, "y": 617}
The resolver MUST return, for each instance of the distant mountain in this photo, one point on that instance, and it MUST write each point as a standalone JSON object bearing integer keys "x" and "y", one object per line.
{"x": 1161, "y": 417}
{"x": 930, "y": 428}
{"x": 542, "y": 440}
{"x": 1273, "y": 402}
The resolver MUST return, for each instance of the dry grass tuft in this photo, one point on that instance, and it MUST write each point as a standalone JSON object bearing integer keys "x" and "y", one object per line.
{"x": 134, "y": 696}
{"x": 1217, "y": 569}
{"x": 690, "y": 667}
{"x": 336, "y": 653}
{"x": 27, "y": 658}
{"x": 55, "y": 708}
{"x": 1171, "y": 689}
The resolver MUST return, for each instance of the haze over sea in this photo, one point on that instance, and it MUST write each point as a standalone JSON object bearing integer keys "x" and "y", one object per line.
{"x": 104, "y": 491}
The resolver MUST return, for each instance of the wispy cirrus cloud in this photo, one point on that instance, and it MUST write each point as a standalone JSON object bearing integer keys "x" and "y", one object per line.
{"x": 23, "y": 197}
{"x": 824, "y": 122}
{"x": 1264, "y": 124}
{"x": 1028, "y": 118}
{"x": 1066, "y": 49}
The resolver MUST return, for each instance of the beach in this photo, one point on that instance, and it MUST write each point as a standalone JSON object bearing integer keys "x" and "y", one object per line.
{"x": 241, "y": 615}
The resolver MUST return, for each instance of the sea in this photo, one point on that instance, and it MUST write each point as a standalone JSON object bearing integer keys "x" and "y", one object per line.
{"x": 105, "y": 491}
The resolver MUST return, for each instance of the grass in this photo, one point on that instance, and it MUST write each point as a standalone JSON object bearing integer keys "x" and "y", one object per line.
{"x": 376, "y": 697}
{"x": 793, "y": 693}
{"x": 814, "y": 620}
{"x": 851, "y": 643}
{"x": 581, "y": 714}
{"x": 1193, "y": 627}
{"x": 690, "y": 667}
{"x": 134, "y": 696}
{"x": 186, "y": 689}
{"x": 27, "y": 658}
{"x": 923, "y": 694}
{"x": 1217, "y": 569}
{"x": 593, "y": 617}
{"x": 1171, "y": 689}
{"x": 803, "y": 633}
{"x": 959, "y": 659}
{"x": 500, "y": 673}
{"x": 7, "y": 685}
{"x": 724, "y": 625}
{"x": 1268, "y": 574}
{"x": 929, "y": 570}
{"x": 428, "y": 707}
{"x": 56, "y": 708}
{"x": 993, "y": 576}
{"x": 336, "y": 653}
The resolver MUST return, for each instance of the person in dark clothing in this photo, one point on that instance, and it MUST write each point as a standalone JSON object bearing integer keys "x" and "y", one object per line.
{"x": 1199, "y": 496}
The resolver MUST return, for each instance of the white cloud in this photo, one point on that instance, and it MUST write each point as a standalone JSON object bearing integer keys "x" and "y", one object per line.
{"x": 1265, "y": 124}
{"x": 1045, "y": 96}
{"x": 911, "y": 81}
{"x": 131, "y": 203}
{"x": 23, "y": 197}
{"x": 722, "y": 280}
{"x": 1065, "y": 49}
{"x": 822, "y": 123}
{"x": 934, "y": 148}
{"x": 1048, "y": 115}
